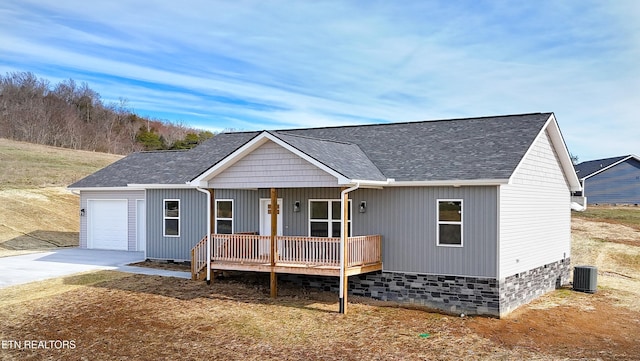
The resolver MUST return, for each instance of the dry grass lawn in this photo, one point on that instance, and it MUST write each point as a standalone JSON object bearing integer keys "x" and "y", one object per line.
{"x": 37, "y": 212}
{"x": 111, "y": 315}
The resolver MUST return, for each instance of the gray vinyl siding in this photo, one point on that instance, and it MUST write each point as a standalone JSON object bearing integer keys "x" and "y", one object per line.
{"x": 270, "y": 165}
{"x": 130, "y": 196}
{"x": 619, "y": 184}
{"x": 535, "y": 221}
{"x": 193, "y": 226}
{"x": 246, "y": 208}
{"x": 406, "y": 217}
{"x": 246, "y": 205}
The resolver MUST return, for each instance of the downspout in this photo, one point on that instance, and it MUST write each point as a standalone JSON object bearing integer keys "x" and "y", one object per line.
{"x": 343, "y": 241}
{"x": 208, "y": 232}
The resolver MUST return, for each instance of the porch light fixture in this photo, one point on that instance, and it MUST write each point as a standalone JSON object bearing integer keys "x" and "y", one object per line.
{"x": 82, "y": 212}
{"x": 363, "y": 206}
{"x": 296, "y": 206}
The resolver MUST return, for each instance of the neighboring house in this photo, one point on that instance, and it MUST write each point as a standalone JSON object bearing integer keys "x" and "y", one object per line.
{"x": 610, "y": 181}
{"x": 466, "y": 215}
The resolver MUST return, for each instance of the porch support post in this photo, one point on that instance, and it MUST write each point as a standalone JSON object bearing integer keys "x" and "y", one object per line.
{"x": 274, "y": 234}
{"x": 345, "y": 233}
{"x": 212, "y": 219}
{"x": 344, "y": 247}
{"x": 209, "y": 194}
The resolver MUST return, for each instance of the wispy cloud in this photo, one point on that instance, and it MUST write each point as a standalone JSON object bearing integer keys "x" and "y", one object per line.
{"x": 256, "y": 65}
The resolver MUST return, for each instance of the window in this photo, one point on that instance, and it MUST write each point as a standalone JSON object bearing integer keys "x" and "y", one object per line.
{"x": 450, "y": 222}
{"x": 224, "y": 216}
{"x": 171, "y": 216}
{"x": 324, "y": 218}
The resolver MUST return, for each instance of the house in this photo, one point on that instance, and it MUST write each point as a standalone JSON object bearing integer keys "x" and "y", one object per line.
{"x": 465, "y": 215}
{"x": 610, "y": 181}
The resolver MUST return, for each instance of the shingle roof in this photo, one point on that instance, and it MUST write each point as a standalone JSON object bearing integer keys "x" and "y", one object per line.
{"x": 456, "y": 149}
{"x": 345, "y": 158}
{"x": 585, "y": 169}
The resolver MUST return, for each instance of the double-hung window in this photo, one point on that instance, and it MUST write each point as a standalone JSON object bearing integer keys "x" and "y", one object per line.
{"x": 171, "y": 217}
{"x": 325, "y": 216}
{"x": 450, "y": 217}
{"x": 224, "y": 216}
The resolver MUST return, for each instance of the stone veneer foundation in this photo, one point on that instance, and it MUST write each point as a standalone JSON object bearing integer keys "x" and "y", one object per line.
{"x": 454, "y": 294}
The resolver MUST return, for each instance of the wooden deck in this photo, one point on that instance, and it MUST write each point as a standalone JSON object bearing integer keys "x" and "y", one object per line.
{"x": 296, "y": 255}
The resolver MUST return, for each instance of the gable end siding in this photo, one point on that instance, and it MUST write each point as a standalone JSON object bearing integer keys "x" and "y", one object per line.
{"x": 535, "y": 215}
{"x": 619, "y": 184}
{"x": 130, "y": 196}
{"x": 271, "y": 165}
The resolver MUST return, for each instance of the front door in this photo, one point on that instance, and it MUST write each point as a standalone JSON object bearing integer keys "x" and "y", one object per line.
{"x": 265, "y": 222}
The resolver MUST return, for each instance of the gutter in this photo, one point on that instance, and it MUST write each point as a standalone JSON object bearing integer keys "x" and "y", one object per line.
{"x": 208, "y": 232}
{"x": 343, "y": 241}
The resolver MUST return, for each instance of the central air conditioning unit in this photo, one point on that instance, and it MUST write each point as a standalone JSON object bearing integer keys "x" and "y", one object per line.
{"x": 585, "y": 279}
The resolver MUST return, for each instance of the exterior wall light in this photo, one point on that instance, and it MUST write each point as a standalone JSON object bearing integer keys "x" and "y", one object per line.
{"x": 82, "y": 212}
{"x": 296, "y": 206}
{"x": 363, "y": 206}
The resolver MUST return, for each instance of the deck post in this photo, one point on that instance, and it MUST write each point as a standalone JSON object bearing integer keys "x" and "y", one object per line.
{"x": 274, "y": 234}
{"x": 345, "y": 233}
{"x": 344, "y": 247}
{"x": 211, "y": 276}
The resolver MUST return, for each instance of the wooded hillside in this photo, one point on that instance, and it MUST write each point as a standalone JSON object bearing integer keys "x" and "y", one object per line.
{"x": 72, "y": 115}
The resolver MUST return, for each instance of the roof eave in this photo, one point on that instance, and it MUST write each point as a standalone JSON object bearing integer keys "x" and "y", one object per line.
{"x": 631, "y": 156}
{"x": 450, "y": 183}
{"x": 120, "y": 188}
{"x": 202, "y": 179}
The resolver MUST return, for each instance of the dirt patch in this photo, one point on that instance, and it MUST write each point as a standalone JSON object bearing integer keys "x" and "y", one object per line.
{"x": 574, "y": 325}
{"x": 606, "y": 232}
{"x": 139, "y": 317}
{"x": 183, "y": 267}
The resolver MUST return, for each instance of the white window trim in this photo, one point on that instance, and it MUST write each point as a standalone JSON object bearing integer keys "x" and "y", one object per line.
{"x": 329, "y": 220}
{"x": 461, "y": 223}
{"x": 233, "y": 210}
{"x": 164, "y": 218}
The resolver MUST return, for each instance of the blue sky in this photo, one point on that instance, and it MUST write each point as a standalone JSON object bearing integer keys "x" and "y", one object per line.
{"x": 253, "y": 65}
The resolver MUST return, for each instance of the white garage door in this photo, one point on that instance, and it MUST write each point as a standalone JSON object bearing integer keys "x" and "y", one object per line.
{"x": 107, "y": 224}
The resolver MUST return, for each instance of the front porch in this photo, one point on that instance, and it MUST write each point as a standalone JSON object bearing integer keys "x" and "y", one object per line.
{"x": 293, "y": 254}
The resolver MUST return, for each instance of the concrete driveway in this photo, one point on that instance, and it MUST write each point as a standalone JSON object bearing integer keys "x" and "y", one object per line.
{"x": 40, "y": 266}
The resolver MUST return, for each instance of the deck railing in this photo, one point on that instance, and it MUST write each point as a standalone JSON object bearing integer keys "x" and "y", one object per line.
{"x": 240, "y": 248}
{"x": 313, "y": 251}
{"x": 298, "y": 250}
{"x": 199, "y": 257}
{"x": 365, "y": 250}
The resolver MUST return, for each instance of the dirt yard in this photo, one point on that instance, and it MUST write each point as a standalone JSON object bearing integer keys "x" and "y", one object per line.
{"x": 112, "y": 315}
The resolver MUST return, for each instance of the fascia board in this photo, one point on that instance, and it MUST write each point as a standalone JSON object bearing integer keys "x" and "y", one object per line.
{"x": 91, "y": 189}
{"x": 560, "y": 147}
{"x": 449, "y": 183}
{"x": 252, "y": 145}
{"x": 610, "y": 166}
{"x": 162, "y": 186}
{"x": 229, "y": 160}
{"x": 563, "y": 153}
